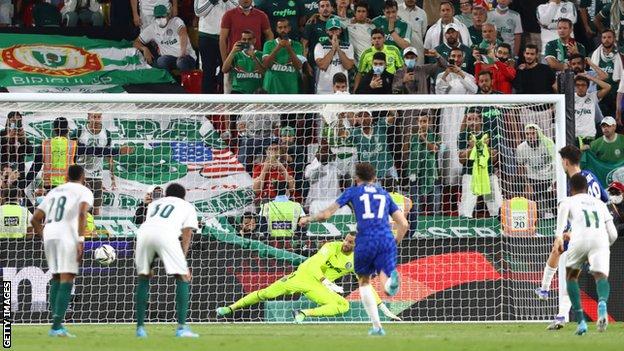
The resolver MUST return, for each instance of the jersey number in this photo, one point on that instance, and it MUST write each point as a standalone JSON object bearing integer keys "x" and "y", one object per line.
{"x": 367, "y": 206}
{"x": 588, "y": 219}
{"x": 595, "y": 191}
{"x": 166, "y": 211}
{"x": 55, "y": 214}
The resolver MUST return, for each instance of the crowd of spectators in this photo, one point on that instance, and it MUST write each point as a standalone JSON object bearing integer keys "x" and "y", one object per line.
{"x": 391, "y": 47}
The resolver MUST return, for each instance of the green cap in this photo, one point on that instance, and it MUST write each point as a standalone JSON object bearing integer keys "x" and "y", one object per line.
{"x": 160, "y": 11}
{"x": 332, "y": 23}
{"x": 287, "y": 131}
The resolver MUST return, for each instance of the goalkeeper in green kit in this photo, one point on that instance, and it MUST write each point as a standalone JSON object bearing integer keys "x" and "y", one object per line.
{"x": 315, "y": 279}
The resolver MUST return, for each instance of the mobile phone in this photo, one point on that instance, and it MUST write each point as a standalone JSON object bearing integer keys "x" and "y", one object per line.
{"x": 451, "y": 62}
{"x": 244, "y": 46}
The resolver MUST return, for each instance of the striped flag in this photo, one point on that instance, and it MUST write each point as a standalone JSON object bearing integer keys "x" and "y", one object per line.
{"x": 212, "y": 162}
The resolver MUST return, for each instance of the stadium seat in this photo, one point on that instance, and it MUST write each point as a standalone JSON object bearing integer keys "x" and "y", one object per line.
{"x": 192, "y": 81}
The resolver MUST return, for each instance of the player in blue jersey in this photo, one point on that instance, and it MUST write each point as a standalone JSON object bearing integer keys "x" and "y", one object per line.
{"x": 375, "y": 246}
{"x": 571, "y": 159}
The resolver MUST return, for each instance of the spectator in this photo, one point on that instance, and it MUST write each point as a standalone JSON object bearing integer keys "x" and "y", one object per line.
{"x": 8, "y": 177}
{"x": 14, "y": 218}
{"x": 588, "y": 9}
{"x": 502, "y": 70}
{"x": 479, "y": 16}
{"x": 246, "y": 62}
{"x": 324, "y": 176}
{"x": 616, "y": 206}
{"x": 332, "y": 56}
{"x": 527, "y": 10}
{"x": 282, "y": 58}
{"x": 435, "y": 34}
{"x": 535, "y": 157}
{"x": 143, "y": 10}
{"x": 453, "y": 81}
{"x": 292, "y": 155}
{"x": 153, "y": 193}
{"x": 479, "y": 155}
{"x": 558, "y": 51}
{"x": 393, "y": 57}
{"x": 94, "y": 134}
{"x": 270, "y": 171}
{"x": 378, "y": 80}
{"x": 282, "y": 214}
{"x": 396, "y": 31}
{"x": 609, "y": 148}
{"x": 422, "y": 167}
{"x": 210, "y": 13}
{"x": 6, "y": 13}
{"x": 452, "y": 42}
{"x": 490, "y": 38}
{"x": 609, "y": 60}
{"x": 612, "y": 15}
{"x": 234, "y": 23}
{"x": 45, "y": 14}
{"x": 485, "y": 83}
{"x": 14, "y": 146}
{"x": 465, "y": 15}
{"x": 416, "y": 18}
{"x": 169, "y": 34}
{"x": 370, "y": 140}
{"x": 255, "y": 132}
{"x": 577, "y": 63}
{"x": 343, "y": 11}
{"x": 414, "y": 78}
{"x": 585, "y": 104}
{"x": 533, "y": 77}
{"x": 315, "y": 29}
{"x": 87, "y": 11}
{"x": 293, "y": 11}
{"x": 508, "y": 24}
{"x": 549, "y": 17}
{"x": 359, "y": 30}
{"x": 249, "y": 227}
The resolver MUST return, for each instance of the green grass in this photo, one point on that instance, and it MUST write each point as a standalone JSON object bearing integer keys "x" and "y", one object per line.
{"x": 320, "y": 337}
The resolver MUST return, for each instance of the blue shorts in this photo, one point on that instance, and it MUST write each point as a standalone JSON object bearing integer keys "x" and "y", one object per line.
{"x": 374, "y": 254}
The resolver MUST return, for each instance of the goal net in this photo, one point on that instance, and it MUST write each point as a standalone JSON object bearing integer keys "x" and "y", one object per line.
{"x": 477, "y": 176}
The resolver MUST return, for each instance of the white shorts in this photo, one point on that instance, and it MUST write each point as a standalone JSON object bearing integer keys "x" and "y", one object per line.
{"x": 583, "y": 251}
{"x": 62, "y": 255}
{"x": 151, "y": 242}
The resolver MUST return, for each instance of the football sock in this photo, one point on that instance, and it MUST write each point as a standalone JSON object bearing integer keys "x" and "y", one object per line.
{"x": 141, "y": 296}
{"x": 247, "y": 300}
{"x": 368, "y": 300}
{"x": 54, "y": 286}
{"x": 62, "y": 301}
{"x": 575, "y": 297}
{"x": 603, "y": 287}
{"x": 182, "y": 300}
{"x": 549, "y": 273}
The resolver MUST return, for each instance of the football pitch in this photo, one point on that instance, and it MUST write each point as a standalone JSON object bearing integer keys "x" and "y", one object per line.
{"x": 257, "y": 337}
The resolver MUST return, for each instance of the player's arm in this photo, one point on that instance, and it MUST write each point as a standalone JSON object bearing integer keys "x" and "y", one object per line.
{"x": 82, "y": 227}
{"x": 562, "y": 223}
{"x": 401, "y": 224}
{"x": 37, "y": 221}
{"x": 187, "y": 233}
{"x": 612, "y": 231}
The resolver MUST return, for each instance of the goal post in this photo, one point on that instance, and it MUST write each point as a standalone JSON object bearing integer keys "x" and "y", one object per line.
{"x": 462, "y": 259}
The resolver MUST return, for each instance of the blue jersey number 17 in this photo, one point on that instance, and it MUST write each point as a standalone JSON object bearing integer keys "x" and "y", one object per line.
{"x": 368, "y": 214}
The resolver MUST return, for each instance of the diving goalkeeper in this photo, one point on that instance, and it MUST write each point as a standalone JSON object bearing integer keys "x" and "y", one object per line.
{"x": 315, "y": 279}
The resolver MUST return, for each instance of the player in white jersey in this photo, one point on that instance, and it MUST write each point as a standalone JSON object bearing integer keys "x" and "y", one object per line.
{"x": 571, "y": 159}
{"x": 64, "y": 210}
{"x": 591, "y": 233}
{"x": 167, "y": 219}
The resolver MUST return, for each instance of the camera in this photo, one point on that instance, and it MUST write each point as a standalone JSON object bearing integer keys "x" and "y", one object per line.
{"x": 244, "y": 46}
{"x": 451, "y": 62}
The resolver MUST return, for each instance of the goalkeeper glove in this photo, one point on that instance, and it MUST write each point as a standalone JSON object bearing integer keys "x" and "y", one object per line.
{"x": 333, "y": 287}
{"x": 384, "y": 309}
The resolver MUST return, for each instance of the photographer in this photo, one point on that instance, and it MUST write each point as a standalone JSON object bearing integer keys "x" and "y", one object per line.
{"x": 270, "y": 171}
{"x": 245, "y": 63}
{"x": 154, "y": 193}
{"x": 13, "y": 145}
{"x": 378, "y": 80}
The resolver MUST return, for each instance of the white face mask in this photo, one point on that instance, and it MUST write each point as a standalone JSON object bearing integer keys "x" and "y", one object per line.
{"x": 378, "y": 69}
{"x": 410, "y": 63}
{"x": 617, "y": 199}
{"x": 162, "y": 22}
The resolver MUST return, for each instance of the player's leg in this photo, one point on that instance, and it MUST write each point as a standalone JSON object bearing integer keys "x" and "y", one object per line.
{"x": 367, "y": 296}
{"x": 66, "y": 253}
{"x": 170, "y": 251}
{"x": 49, "y": 248}
{"x": 549, "y": 271}
{"x": 599, "y": 264}
{"x": 385, "y": 263}
{"x": 143, "y": 258}
{"x": 575, "y": 297}
{"x": 329, "y": 302}
{"x": 364, "y": 255}
{"x": 278, "y": 288}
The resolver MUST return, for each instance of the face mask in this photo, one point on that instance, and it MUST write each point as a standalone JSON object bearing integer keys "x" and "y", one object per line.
{"x": 378, "y": 69}
{"x": 502, "y": 8}
{"x": 501, "y": 59}
{"x": 246, "y": 7}
{"x": 617, "y": 199}
{"x": 342, "y": 92}
{"x": 411, "y": 63}
{"x": 162, "y": 22}
{"x": 39, "y": 200}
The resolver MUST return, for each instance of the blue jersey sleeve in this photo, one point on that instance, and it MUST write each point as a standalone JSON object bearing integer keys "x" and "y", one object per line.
{"x": 345, "y": 198}
{"x": 594, "y": 188}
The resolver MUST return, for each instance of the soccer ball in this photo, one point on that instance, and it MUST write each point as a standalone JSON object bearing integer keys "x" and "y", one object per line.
{"x": 105, "y": 255}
